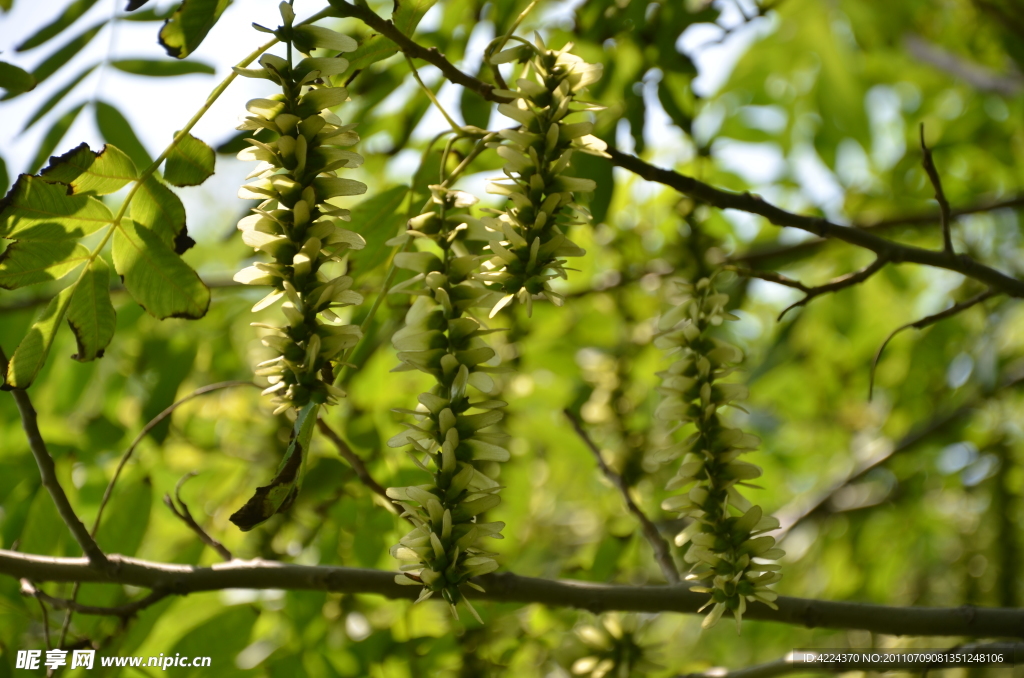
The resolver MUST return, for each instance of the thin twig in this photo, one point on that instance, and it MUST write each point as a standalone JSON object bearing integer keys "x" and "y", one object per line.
{"x": 182, "y": 512}
{"x": 48, "y": 474}
{"x": 125, "y": 612}
{"x": 842, "y": 282}
{"x": 149, "y": 427}
{"x": 922, "y": 323}
{"x": 794, "y": 513}
{"x": 181, "y": 579}
{"x": 940, "y": 195}
{"x": 660, "y": 547}
{"x": 358, "y": 466}
{"x": 46, "y": 616}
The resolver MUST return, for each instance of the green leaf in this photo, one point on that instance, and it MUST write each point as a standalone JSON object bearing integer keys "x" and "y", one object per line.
{"x": 31, "y": 353}
{"x": 5, "y": 179}
{"x": 5, "y": 5}
{"x": 57, "y": 97}
{"x": 599, "y": 170}
{"x": 162, "y": 69}
{"x": 474, "y": 108}
{"x": 34, "y": 261}
{"x": 282, "y": 490}
{"x": 125, "y": 522}
{"x": 157, "y": 208}
{"x": 86, "y": 172}
{"x": 116, "y": 130}
{"x": 155, "y": 276}
{"x": 190, "y": 163}
{"x": 56, "y": 61}
{"x": 36, "y": 209}
{"x": 54, "y": 135}
{"x": 91, "y": 315}
{"x": 406, "y": 17}
{"x": 70, "y": 15}
{"x": 377, "y": 219}
{"x": 15, "y": 80}
{"x": 188, "y": 26}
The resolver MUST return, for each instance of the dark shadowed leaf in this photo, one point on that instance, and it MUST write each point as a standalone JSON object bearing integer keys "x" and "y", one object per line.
{"x": 162, "y": 69}
{"x": 36, "y": 209}
{"x": 86, "y": 172}
{"x": 70, "y": 14}
{"x": 156, "y": 277}
{"x": 34, "y": 261}
{"x": 5, "y": 178}
{"x": 190, "y": 163}
{"x": 91, "y": 315}
{"x": 15, "y": 80}
{"x": 57, "y": 97}
{"x": 63, "y": 55}
{"x": 188, "y": 26}
{"x": 116, "y": 129}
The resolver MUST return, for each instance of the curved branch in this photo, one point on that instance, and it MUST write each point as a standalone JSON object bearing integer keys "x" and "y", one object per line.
{"x": 181, "y": 511}
{"x": 511, "y": 588}
{"x": 125, "y": 611}
{"x": 887, "y": 249}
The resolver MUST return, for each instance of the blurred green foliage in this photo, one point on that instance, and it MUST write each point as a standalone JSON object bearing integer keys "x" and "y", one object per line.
{"x": 820, "y": 114}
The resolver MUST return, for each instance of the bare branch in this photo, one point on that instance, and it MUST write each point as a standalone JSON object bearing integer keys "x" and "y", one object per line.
{"x": 940, "y": 195}
{"x": 795, "y": 662}
{"x": 768, "y": 256}
{"x": 661, "y": 550}
{"x": 842, "y": 282}
{"x": 186, "y": 517}
{"x": 891, "y": 251}
{"x": 125, "y": 611}
{"x": 359, "y": 467}
{"x": 149, "y": 427}
{"x": 48, "y": 474}
{"x": 977, "y": 76}
{"x": 770, "y": 276}
{"x": 794, "y": 513}
{"x": 925, "y": 322}
{"x": 178, "y": 579}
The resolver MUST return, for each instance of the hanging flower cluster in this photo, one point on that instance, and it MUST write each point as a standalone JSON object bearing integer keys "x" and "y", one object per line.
{"x": 727, "y": 532}
{"x": 453, "y": 437}
{"x": 531, "y": 233}
{"x": 297, "y": 224}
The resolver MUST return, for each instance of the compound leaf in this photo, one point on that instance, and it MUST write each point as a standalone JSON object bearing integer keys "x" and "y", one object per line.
{"x": 190, "y": 163}
{"x": 87, "y": 172}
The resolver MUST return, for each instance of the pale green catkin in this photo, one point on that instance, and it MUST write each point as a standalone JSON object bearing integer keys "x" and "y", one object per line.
{"x": 727, "y": 532}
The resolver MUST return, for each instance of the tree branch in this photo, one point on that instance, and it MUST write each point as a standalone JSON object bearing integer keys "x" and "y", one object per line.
{"x": 359, "y": 467}
{"x": 886, "y": 249}
{"x": 761, "y": 257}
{"x": 412, "y": 49}
{"x": 186, "y": 517}
{"x": 48, "y": 474}
{"x": 661, "y": 550}
{"x": 510, "y": 588}
{"x": 940, "y": 195}
{"x": 794, "y": 513}
{"x": 125, "y": 611}
{"x": 922, "y": 323}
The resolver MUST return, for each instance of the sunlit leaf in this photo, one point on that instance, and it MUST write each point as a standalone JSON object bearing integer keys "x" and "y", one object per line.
{"x": 190, "y": 163}
{"x": 36, "y": 209}
{"x": 34, "y": 261}
{"x": 155, "y": 276}
{"x": 91, "y": 315}
{"x": 86, "y": 172}
{"x": 188, "y": 26}
{"x": 31, "y": 353}
{"x": 157, "y": 208}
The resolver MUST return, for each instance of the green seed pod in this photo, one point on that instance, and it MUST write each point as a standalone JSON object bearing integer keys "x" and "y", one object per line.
{"x": 727, "y": 532}
{"x": 297, "y": 224}
{"x": 529, "y": 238}
{"x": 454, "y": 436}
